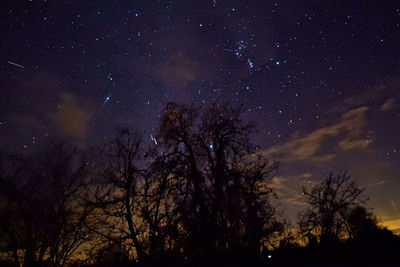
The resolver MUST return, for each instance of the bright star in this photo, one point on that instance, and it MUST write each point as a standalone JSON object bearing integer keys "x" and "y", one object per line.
{"x": 107, "y": 99}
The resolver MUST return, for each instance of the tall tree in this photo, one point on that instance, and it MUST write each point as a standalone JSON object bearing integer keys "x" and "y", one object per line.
{"x": 119, "y": 174}
{"x": 222, "y": 185}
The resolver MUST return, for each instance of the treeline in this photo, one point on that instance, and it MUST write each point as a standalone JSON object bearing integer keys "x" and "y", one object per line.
{"x": 200, "y": 193}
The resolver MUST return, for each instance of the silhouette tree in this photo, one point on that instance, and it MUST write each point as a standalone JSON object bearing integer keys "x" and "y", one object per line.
{"x": 337, "y": 228}
{"x": 159, "y": 210}
{"x": 359, "y": 222}
{"x": 221, "y": 185}
{"x": 135, "y": 200}
{"x": 118, "y": 178}
{"x": 368, "y": 240}
{"x": 329, "y": 202}
{"x": 45, "y": 219}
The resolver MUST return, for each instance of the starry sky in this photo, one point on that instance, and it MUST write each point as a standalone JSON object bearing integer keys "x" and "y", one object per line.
{"x": 320, "y": 78}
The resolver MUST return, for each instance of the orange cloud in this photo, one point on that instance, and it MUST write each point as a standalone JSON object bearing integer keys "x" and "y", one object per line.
{"x": 350, "y": 126}
{"x": 389, "y": 104}
{"x": 392, "y": 224}
{"x": 306, "y": 175}
{"x": 288, "y": 190}
{"x": 71, "y": 119}
{"x": 277, "y": 182}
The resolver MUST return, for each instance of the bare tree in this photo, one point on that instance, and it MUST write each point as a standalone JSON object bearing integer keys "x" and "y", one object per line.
{"x": 45, "y": 219}
{"x": 135, "y": 201}
{"x": 329, "y": 201}
{"x": 119, "y": 177}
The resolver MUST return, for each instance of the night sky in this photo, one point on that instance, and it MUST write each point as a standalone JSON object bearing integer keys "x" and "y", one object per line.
{"x": 320, "y": 78}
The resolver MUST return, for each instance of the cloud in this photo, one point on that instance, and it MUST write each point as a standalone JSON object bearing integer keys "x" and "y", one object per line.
{"x": 389, "y": 104}
{"x": 297, "y": 200}
{"x": 49, "y": 112}
{"x": 392, "y": 224}
{"x": 288, "y": 190}
{"x": 388, "y": 89}
{"x": 277, "y": 182}
{"x": 71, "y": 119}
{"x": 349, "y": 129}
{"x": 177, "y": 73}
{"x": 354, "y": 144}
{"x": 306, "y": 175}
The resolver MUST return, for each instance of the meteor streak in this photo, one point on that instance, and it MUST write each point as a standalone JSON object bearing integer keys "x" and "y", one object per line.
{"x": 15, "y": 64}
{"x": 153, "y": 139}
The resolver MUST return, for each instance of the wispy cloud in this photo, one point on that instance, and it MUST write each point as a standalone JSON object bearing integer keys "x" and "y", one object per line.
{"x": 389, "y": 104}
{"x": 387, "y": 89}
{"x": 348, "y": 133}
